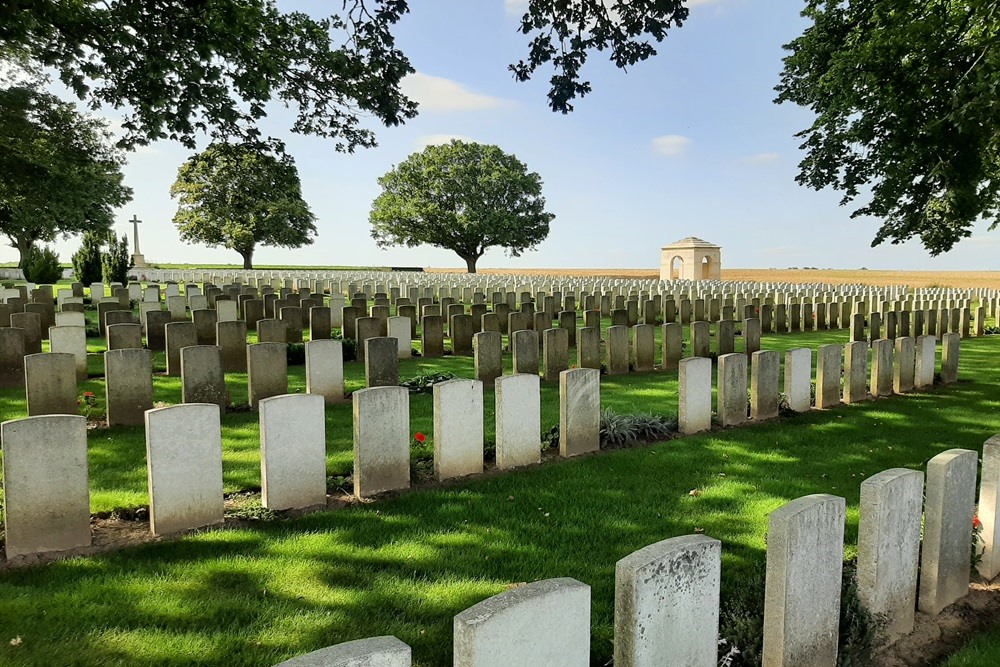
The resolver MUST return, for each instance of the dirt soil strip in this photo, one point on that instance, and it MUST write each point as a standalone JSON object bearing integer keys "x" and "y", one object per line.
{"x": 934, "y": 638}
{"x": 958, "y": 279}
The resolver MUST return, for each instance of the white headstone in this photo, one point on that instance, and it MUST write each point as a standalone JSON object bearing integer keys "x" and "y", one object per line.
{"x": 292, "y": 451}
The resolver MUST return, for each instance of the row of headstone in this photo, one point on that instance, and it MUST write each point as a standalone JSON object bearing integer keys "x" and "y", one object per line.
{"x": 667, "y": 594}
{"x": 842, "y": 374}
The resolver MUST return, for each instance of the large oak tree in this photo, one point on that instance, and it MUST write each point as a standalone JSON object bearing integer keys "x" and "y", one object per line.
{"x": 907, "y": 112}
{"x": 189, "y": 66}
{"x": 60, "y": 173}
{"x": 464, "y": 197}
{"x": 239, "y": 196}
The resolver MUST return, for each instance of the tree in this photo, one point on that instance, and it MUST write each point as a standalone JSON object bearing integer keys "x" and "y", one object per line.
{"x": 190, "y": 66}
{"x": 240, "y": 195}
{"x": 464, "y": 197}
{"x": 116, "y": 262}
{"x": 906, "y": 113}
{"x": 59, "y": 173}
{"x": 87, "y": 260}
{"x": 42, "y": 266}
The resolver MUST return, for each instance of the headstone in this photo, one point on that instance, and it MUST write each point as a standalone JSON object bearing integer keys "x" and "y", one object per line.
{"x": 177, "y": 305}
{"x": 542, "y": 623}
{"x": 924, "y": 353}
{"x": 292, "y": 451}
{"x": 828, "y": 369}
{"x": 71, "y": 340}
{"x": 232, "y": 338}
{"x": 46, "y": 498}
{"x": 672, "y": 344}
{"x": 399, "y": 328}
{"x": 889, "y": 547}
{"x": 856, "y": 372}
{"x": 381, "y": 440}
{"x": 805, "y": 557}
{"x": 458, "y": 428}
{"x": 432, "y": 337}
{"x": 949, "y": 358}
{"x": 204, "y": 324}
{"x": 488, "y": 357}
{"x": 272, "y": 331}
{"x": 184, "y": 460}
{"x": 124, "y": 337}
{"x": 617, "y": 350}
{"x": 580, "y": 411}
{"x": 156, "y": 331}
{"x": 50, "y": 384}
{"x": 765, "y": 376}
{"x": 12, "y": 351}
{"x": 643, "y": 347}
{"x": 292, "y": 317}
{"x": 881, "y": 376}
{"x": 694, "y": 389}
{"x": 202, "y": 379}
{"x": 555, "y": 353}
{"x": 128, "y": 386}
{"x": 732, "y": 389}
{"x": 798, "y": 379}
{"x": 267, "y": 371}
{"x": 949, "y": 506}
{"x": 518, "y": 421}
{"x": 371, "y": 652}
{"x": 989, "y": 509}
{"x": 461, "y": 329}
{"x": 31, "y": 324}
{"x": 667, "y": 603}
{"x": 524, "y": 349}
{"x": 179, "y": 335}
{"x": 903, "y": 365}
{"x": 588, "y": 348}
{"x": 751, "y": 336}
{"x": 381, "y": 362}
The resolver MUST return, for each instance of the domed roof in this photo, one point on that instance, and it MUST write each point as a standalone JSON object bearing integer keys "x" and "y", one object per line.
{"x": 691, "y": 242}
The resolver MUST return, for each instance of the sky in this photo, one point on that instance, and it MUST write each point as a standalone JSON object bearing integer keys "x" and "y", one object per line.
{"x": 688, "y": 143}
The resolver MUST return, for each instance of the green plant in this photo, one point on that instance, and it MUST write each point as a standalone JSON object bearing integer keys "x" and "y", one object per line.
{"x": 619, "y": 430}
{"x": 42, "y": 266}
{"x": 87, "y": 260}
{"x": 978, "y": 545}
{"x": 550, "y": 438}
{"x": 296, "y": 353}
{"x": 421, "y": 384}
{"x": 116, "y": 262}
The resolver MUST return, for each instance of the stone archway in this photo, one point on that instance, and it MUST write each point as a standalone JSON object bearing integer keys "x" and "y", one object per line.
{"x": 691, "y": 259}
{"x": 677, "y": 268}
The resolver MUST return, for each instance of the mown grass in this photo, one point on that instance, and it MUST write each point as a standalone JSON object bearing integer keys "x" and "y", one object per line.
{"x": 406, "y": 565}
{"x": 983, "y": 651}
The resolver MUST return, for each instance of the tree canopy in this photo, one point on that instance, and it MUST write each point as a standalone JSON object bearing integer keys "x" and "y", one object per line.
{"x": 239, "y": 196}
{"x": 189, "y": 66}
{"x": 464, "y": 197}
{"x": 907, "y": 114}
{"x": 61, "y": 174}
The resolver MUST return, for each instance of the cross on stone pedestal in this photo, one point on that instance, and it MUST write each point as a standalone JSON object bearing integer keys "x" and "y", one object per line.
{"x": 135, "y": 227}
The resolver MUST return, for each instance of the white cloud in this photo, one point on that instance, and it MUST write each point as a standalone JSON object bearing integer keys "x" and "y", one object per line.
{"x": 670, "y": 144}
{"x": 435, "y": 93}
{"x": 515, "y": 7}
{"x": 762, "y": 157}
{"x": 438, "y": 139}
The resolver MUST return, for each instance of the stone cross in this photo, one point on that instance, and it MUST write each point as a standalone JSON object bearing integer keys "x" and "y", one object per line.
{"x": 135, "y": 227}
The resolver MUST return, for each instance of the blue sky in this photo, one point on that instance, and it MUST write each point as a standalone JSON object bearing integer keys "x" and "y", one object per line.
{"x": 687, "y": 144}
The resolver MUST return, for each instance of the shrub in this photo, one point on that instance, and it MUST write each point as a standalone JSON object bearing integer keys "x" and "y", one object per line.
{"x": 87, "y": 260}
{"x": 116, "y": 262}
{"x": 620, "y": 430}
{"x": 42, "y": 266}
{"x": 421, "y": 384}
{"x": 296, "y": 354}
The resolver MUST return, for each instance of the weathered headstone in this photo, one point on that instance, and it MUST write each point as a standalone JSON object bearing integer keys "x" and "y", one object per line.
{"x": 232, "y": 338}
{"x": 128, "y": 386}
{"x": 432, "y": 336}
{"x": 948, "y": 510}
{"x": 12, "y": 351}
{"x": 381, "y": 440}
{"x": 667, "y": 603}
{"x": 949, "y": 358}
{"x": 732, "y": 389}
{"x": 889, "y": 547}
{"x": 292, "y": 451}
{"x": 694, "y": 389}
{"x": 672, "y": 342}
{"x": 50, "y": 384}
{"x": 580, "y": 411}
{"x": 989, "y": 509}
{"x": 124, "y": 337}
{"x": 643, "y": 347}
{"x": 371, "y": 652}
{"x": 488, "y": 357}
{"x": 202, "y": 379}
{"x": 399, "y": 328}
{"x": 178, "y": 335}
{"x": 517, "y": 627}
{"x": 881, "y": 372}
{"x": 805, "y": 557}
{"x": 765, "y": 376}
{"x": 903, "y": 366}
{"x": 829, "y": 363}
{"x": 72, "y": 340}
{"x": 267, "y": 371}
{"x": 184, "y": 460}
{"x": 855, "y": 372}
{"x": 46, "y": 498}
{"x": 381, "y": 362}
{"x": 617, "y": 350}
{"x": 524, "y": 349}
{"x": 798, "y": 379}
{"x": 518, "y": 420}
{"x": 555, "y": 353}
{"x": 458, "y": 428}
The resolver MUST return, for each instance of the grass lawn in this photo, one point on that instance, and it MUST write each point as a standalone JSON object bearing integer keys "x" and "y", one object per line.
{"x": 983, "y": 651}
{"x": 406, "y": 565}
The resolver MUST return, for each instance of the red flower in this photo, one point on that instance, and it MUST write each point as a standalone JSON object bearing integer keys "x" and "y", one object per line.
{"x": 419, "y": 437}
{"x": 976, "y": 523}
{"x": 88, "y": 394}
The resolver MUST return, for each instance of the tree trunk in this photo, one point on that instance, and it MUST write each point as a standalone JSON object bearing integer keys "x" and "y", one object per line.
{"x": 23, "y": 248}
{"x": 247, "y": 258}
{"x": 470, "y": 263}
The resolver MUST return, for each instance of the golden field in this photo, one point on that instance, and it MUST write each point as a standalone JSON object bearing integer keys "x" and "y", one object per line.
{"x": 960, "y": 279}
